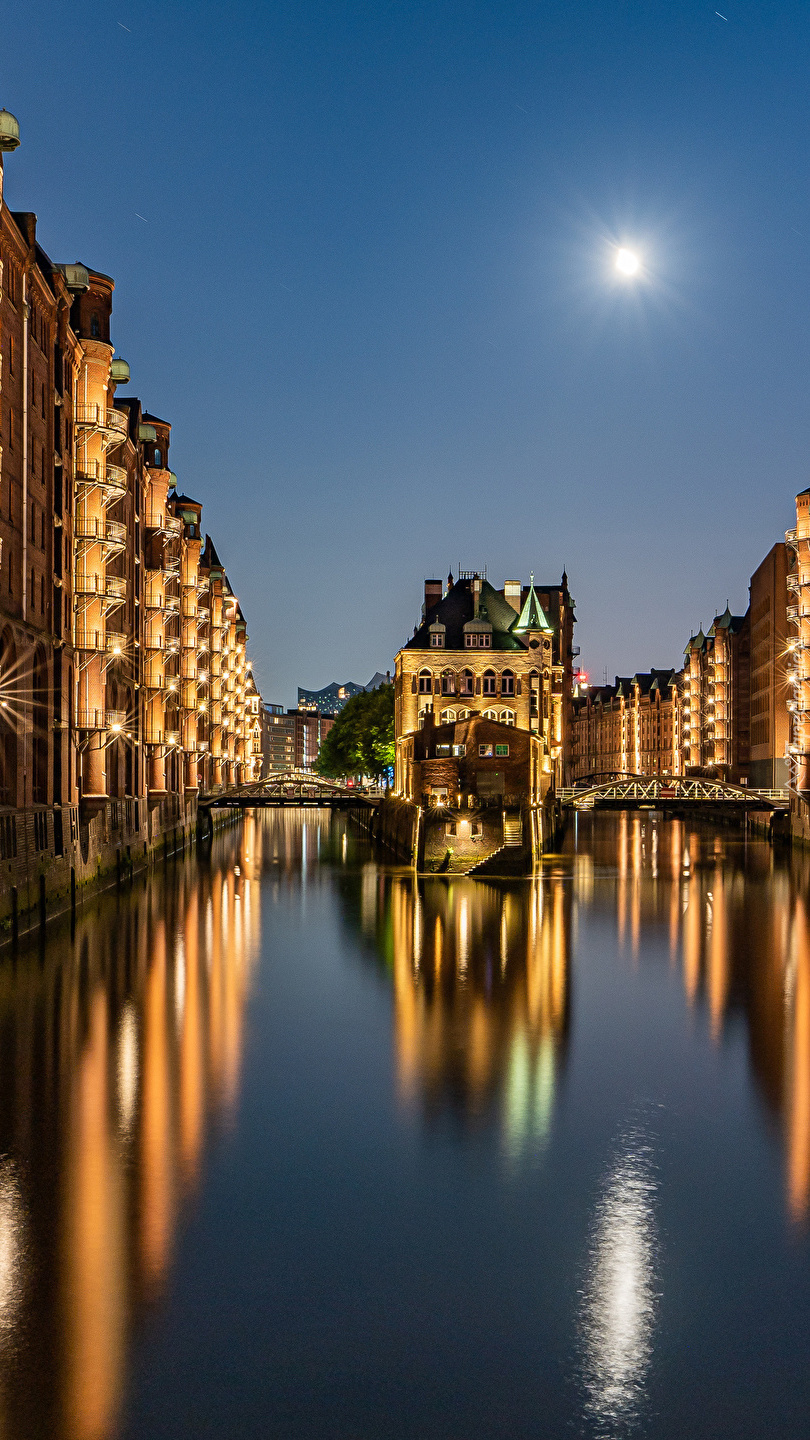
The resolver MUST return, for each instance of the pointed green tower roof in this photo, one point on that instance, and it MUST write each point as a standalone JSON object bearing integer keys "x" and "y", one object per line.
{"x": 532, "y": 616}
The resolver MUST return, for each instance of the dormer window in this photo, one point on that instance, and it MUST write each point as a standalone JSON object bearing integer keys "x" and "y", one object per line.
{"x": 478, "y": 639}
{"x": 437, "y": 640}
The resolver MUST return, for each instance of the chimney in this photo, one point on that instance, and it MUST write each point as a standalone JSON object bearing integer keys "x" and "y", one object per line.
{"x": 433, "y": 594}
{"x": 476, "y": 590}
{"x": 511, "y": 593}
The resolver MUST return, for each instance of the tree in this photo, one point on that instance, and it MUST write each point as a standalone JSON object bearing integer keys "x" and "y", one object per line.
{"x": 361, "y": 741}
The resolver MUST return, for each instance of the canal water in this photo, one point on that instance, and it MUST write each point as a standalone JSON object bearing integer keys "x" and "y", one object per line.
{"x": 293, "y": 1145}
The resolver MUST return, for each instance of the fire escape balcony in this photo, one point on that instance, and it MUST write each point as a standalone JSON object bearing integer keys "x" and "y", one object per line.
{"x": 116, "y": 644}
{"x": 110, "y": 479}
{"x": 91, "y": 640}
{"x": 90, "y": 720}
{"x": 90, "y": 530}
{"x": 172, "y": 603}
{"x": 153, "y": 599}
{"x": 116, "y": 721}
{"x": 112, "y": 425}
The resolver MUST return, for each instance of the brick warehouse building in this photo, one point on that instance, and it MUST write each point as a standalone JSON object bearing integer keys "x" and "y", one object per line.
{"x": 124, "y": 683}
{"x": 497, "y": 659}
{"x": 632, "y": 727}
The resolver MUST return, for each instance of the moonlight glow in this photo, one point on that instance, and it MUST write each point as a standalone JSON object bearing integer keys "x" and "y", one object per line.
{"x": 627, "y": 262}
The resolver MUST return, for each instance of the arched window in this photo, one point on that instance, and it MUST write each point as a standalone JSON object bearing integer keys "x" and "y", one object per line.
{"x": 490, "y": 714}
{"x": 447, "y": 717}
{"x": 507, "y": 717}
{"x": 425, "y": 683}
{"x": 95, "y": 328}
{"x": 507, "y": 683}
{"x": 467, "y": 683}
{"x": 489, "y": 682}
{"x": 448, "y": 683}
{"x": 158, "y": 457}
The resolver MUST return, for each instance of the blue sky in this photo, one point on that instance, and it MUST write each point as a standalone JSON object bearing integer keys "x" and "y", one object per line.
{"x": 373, "y": 293}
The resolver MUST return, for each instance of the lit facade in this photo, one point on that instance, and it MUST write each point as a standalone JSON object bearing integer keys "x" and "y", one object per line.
{"x": 502, "y": 655}
{"x": 125, "y": 686}
{"x": 716, "y": 699}
{"x": 632, "y": 727}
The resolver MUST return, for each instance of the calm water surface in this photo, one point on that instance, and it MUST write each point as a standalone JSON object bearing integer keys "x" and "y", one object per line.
{"x": 292, "y": 1145}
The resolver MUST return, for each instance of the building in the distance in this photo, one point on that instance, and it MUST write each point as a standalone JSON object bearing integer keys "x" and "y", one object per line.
{"x": 716, "y": 699}
{"x": 629, "y": 728}
{"x": 292, "y": 740}
{"x": 331, "y": 699}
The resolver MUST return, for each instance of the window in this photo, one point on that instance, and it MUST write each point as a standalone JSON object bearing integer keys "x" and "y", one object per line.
{"x": 501, "y": 749}
{"x": 442, "y": 750}
{"x": 474, "y": 640}
{"x": 448, "y": 683}
{"x": 95, "y": 328}
{"x": 485, "y": 751}
{"x": 490, "y": 714}
{"x": 447, "y": 717}
{"x": 158, "y": 457}
{"x": 507, "y": 717}
{"x": 466, "y": 686}
{"x": 463, "y": 714}
{"x": 425, "y": 683}
{"x": 450, "y": 827}
{"x": 459, "y": 750}
{"x": 507, "y": 683}
{"x": 489, "y": 682}
{"x": 437, "y": 639}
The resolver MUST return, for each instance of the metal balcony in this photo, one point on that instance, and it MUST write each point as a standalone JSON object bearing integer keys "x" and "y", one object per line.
{"x": 153, "y": 644}
{"x": 112, "y": 425}
{"x": 790, "y": 537}
{"x": 112, "y": 479}
{"x": 172, "y": 603}
{"x": 153, "y": 735}
{"x": 116, "y": 644}
{"x": 90, "y": 530}
{"x": 90, "y": 640}
{"x": 90, "y": 719}
{"x": 171, "y": 565}
{"x": 116, "y": 720}
{"x": 153, "y": 599}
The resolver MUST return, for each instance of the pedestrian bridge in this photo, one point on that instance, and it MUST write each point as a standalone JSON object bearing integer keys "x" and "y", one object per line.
{"x": 670, "y": 792}
{"x": 294, "y": 789}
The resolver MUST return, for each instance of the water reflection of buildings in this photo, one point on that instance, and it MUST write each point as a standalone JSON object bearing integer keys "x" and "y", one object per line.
{"x": 118, "y": 1050}
{"x": 737, "y": 924}
{"x": 481, "y": 994}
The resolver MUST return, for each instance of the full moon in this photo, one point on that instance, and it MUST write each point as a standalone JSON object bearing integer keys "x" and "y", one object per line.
{"x": 627, "y": 262}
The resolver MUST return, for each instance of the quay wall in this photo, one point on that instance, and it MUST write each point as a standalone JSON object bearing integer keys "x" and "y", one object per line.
{"x": 51, "y": 858}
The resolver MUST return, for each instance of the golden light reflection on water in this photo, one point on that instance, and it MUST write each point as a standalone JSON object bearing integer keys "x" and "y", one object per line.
{"x": 118, "y": 1050}
{"x": 736, "y": 918}
{"x": 618, "y": 1302}
{"x": 481, "y": 996}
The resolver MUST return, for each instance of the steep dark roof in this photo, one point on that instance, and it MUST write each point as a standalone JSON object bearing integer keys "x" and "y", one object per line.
{"x": 456, "y": 609}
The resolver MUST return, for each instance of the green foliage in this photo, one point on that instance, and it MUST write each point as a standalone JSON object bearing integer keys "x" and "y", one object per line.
{"x": 361, "y": 741}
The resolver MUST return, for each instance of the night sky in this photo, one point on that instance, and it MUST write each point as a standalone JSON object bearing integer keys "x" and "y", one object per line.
{"x": 373, "y": 291}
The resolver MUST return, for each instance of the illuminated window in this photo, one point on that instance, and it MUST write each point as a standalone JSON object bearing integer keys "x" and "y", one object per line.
{"x": 501, "y": 749}
{"x": 489, "y": 682}
{"x": 485, "y": 751}
{"x": 507, "y": 717}
{"x": 425, "y": 682}
{"x": 490, "y": 714}
{"x": 467, "y": 683}
{"x": 437, "y": 640}
{"x": 448, "y": 683}
{"x": 447, "y": 717}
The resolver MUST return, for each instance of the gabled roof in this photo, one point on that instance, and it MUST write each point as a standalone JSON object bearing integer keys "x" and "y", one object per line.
{"x": 457, "y": 608}
{"x": 532, "y": 616}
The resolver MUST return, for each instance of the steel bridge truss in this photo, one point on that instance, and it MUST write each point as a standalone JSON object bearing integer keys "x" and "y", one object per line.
{"x": 672, "y": 791}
